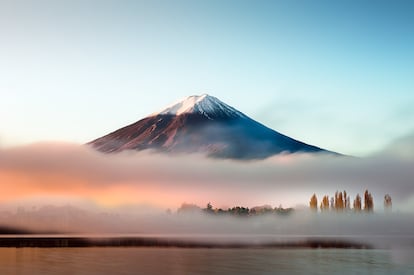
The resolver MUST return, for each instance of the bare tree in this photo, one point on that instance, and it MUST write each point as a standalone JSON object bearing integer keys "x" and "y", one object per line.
{"x": 340, "y": 206}
{"x": 345, "y": 200}
{"x": 368, "y": 202}
{"x": 325, "y": 203}
{"x": 357, "y": 203}
{"x": 387, "y": 202}
{"x": 348, "y": 203}
{"x": 313, "y": 203}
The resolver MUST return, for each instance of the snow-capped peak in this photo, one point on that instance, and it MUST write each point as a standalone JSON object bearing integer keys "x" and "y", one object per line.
{"x": 204, "y": 104}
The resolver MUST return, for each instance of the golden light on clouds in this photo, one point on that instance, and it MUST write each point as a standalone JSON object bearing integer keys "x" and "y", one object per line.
{"x": 72, "y": 171}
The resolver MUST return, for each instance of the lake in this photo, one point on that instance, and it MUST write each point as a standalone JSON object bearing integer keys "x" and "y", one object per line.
{"x": 154, "y": 260}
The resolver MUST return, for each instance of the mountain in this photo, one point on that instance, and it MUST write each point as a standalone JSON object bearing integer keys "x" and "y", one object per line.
{"x": 202, "y": 124}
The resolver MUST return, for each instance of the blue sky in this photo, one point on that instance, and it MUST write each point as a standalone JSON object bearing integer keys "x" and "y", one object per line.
{"x": 336, "y": 74}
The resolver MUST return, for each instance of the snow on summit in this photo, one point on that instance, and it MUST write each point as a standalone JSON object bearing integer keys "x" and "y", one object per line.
{"x": 202, "y": 124}
{"x": 204, "y": 104}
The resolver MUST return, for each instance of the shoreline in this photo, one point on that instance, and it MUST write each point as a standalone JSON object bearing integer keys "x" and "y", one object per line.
{"x": 50, "y": 242}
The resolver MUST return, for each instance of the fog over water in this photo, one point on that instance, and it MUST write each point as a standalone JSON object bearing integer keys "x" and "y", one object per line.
{"x": 68, "y": 187}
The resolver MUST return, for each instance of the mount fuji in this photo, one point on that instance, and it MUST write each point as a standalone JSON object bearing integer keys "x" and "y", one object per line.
{"x": 202, "y": 124}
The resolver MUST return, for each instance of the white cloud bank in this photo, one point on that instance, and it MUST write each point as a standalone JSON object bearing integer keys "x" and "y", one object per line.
{"x": 69, "y": 170}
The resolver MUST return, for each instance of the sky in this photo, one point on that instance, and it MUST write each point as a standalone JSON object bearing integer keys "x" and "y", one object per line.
{"x": 336, "y": 74}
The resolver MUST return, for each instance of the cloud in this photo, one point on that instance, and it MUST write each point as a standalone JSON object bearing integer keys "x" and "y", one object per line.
{"x": 71, "y": 188}
{"x": 400, "y": 148}
{"x": 75, "y": 171}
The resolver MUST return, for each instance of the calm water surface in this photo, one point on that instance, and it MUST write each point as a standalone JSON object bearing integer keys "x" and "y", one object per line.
{"x": 142, "y": 260}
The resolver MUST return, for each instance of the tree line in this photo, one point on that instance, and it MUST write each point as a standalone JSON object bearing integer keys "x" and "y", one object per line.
{"x": 239, "y": 211}
{"x": 341, "y": 201}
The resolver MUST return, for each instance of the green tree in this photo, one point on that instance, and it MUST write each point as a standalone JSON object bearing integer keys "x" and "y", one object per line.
{"x": 209, "y": 208}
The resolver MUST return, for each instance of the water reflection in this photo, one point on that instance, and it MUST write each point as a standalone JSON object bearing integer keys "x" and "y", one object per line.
{"x": 142, "y": 260}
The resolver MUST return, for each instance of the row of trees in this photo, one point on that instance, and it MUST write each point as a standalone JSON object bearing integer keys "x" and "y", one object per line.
{"x": 341, "y": 201}
{"x": 245, "y": 211}
{"x": 236, "y": 210}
